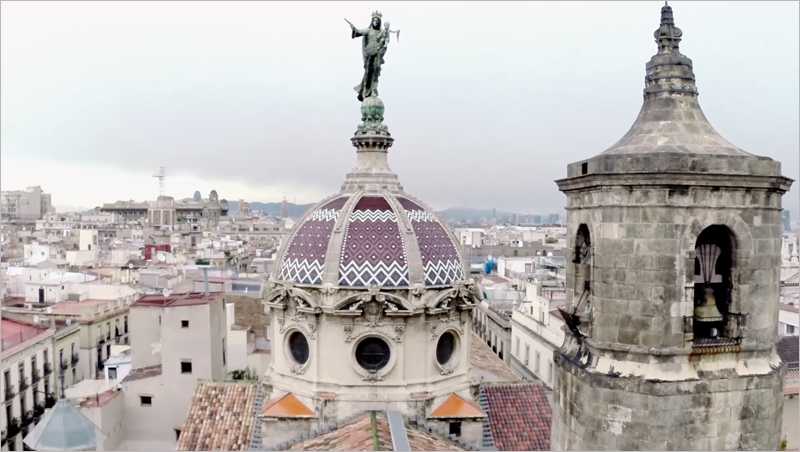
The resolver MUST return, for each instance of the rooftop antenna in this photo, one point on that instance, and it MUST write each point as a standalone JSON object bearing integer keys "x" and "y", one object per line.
{"x": 161, "y": 176}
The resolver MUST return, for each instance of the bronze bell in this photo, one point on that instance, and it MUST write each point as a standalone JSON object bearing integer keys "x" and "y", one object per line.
{"x": 707, "y": 310}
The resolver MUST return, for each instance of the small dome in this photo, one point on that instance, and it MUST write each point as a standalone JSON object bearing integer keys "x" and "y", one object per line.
{"x": 389, "y": 240}
{"x": 213, "y": 197}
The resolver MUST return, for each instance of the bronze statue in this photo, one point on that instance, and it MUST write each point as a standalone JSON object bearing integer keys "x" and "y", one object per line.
{"x": 373, "y": 48}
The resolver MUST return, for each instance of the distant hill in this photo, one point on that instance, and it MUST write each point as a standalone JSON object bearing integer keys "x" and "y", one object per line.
{"x": 271, "y": 208}
{"x": 297, "y": 210}
{"x": 466, "y": 214}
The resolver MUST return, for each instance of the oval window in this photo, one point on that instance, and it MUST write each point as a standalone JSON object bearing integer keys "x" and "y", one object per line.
{"x": 445, "y": 348}
{"x": 372, "y": 354}
{"x": 298, "y": 346}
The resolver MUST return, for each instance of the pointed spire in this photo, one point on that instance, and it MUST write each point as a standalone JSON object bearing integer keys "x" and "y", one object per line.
{"x": 668, "y": 36}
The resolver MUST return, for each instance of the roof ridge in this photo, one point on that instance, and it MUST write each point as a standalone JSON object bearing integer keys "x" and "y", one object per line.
{"x": 320, "y": 430}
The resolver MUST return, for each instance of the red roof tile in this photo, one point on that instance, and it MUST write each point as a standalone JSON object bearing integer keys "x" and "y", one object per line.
{"x": 519, "y": 416}
{"x": 357, "y": 435}
{"x": 221, "y": 417}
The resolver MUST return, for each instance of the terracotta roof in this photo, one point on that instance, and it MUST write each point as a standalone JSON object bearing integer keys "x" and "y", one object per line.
{"x": 221, "y": 417}
{"x": 455, "y": 406}
{"x": 482, "y": 358}
{"x": 286, "y": 406}
{"x": 142, "y": 372}
{"x": 357, "y": 435}
{"x": 185, "y": 299}
{"x": 519, "y": 416}
{"x": 789, "y": 308}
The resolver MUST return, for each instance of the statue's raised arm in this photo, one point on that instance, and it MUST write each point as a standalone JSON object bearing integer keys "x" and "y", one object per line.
{"x": 356, "y": 33}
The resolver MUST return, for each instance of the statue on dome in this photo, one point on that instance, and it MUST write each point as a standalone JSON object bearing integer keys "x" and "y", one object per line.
{"x": 373, "y": 48}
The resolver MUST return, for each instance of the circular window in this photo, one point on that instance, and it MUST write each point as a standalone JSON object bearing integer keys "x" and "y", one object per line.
{"x": 372, "y": 354}
{"x": 445, "y": 348}
{"x": 298, "y": 346}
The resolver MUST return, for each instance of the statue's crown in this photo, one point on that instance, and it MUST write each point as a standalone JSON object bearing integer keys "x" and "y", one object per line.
{"x": 377, "y": 14}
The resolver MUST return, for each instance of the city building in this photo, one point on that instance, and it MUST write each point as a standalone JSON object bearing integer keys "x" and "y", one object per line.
{"x": 179, "y": 340}
{"x": 166, "y": 211}
{"x": 536, "y": 333}
{"x": 27, "y": 366}
{"x": 30, "y": 204}
{"x": 672, "y": 323}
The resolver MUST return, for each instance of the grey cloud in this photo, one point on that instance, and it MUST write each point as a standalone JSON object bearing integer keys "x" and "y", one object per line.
{"x": 488, "y": 102}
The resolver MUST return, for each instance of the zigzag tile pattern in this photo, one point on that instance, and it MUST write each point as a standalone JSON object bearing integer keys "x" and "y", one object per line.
{"x": 305, "y": 257}
{"x": 373, "y": 252}
{"x": 440, "y": 257}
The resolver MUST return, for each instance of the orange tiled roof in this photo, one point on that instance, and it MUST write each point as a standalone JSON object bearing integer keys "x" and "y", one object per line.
{"x": 455, "y": 406}
{"x": 221, "y": 417}
{"x": 286, "y": 406}
{"x": 357, "y": 435}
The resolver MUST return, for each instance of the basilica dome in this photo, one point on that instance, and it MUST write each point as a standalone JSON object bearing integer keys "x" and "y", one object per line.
{"x": 386, "y": 239}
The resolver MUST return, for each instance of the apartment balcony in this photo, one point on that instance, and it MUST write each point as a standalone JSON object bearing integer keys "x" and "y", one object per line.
{"x": 64, "y": 364}
{"x": 48, "y": 368}
{"x": 35, "y": 376}
{"x": 75, "y": 358}
{"x": 101, "y": 341}
{"x": 10, "y": 392}
{"x": 27, "y": 418}
{"x": 23, "y": 384}
{"x": 108, "y": 336}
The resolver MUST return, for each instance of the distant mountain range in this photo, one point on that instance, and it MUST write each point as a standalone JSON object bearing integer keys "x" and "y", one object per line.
{"x": 271, "y": 208}
{"x": 297, "y": 210}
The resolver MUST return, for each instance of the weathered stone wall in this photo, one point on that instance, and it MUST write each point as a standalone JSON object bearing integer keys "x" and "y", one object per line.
{"x": 643, "y": 243}
{"x": 636, "y": 382}
{"x": 593, "y": 411}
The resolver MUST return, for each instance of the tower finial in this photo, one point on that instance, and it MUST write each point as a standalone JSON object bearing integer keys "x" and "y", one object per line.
{"x": 668, "y": 36}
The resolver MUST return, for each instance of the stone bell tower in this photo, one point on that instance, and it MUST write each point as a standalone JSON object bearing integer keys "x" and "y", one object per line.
{"x": 674, "y": 283}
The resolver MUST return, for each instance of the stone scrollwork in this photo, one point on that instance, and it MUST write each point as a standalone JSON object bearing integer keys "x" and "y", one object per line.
{"x": 446, "y": 370}
{"x": 348, "y": 333}
{"x": 328, "y": 289}
{"x": 297, "y": 369}
{"x": 433, "y": 327}
{"x": 312, "y": 329}
{"x": 372, "y": 377}
{"x": 398, "y": 330}
{"x": 418, "y": 290}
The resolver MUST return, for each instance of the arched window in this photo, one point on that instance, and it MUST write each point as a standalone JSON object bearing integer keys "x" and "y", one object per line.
{"x": 582, "y": 264}
{"x": 713, "y": 283}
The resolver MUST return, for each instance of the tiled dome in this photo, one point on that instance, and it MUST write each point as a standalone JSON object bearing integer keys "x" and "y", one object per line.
{"x": 384, "y": 239}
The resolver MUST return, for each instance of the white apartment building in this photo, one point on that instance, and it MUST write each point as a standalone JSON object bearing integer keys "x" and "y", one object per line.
{"x": 535, "y": 334}
{"x": 27, "y": 367}
{"x": 789, "y": 319}
{"x": 179, "y": 339}
{"x": 36, "y": 253}
{"x": 29, "y": 204}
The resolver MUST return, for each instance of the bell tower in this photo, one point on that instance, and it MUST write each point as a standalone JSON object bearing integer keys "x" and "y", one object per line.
{"x": 674, "y": 282}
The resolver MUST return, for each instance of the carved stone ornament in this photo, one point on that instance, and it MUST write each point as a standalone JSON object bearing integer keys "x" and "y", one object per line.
{"x": 373, "y": 312}
{"x": 348, "y": 333}
{"x": 328, "y": 289}
{"x": 312, "y": 329}
{"x": 418, "y": 290}
{"x": 446, "y": 370}
{"x": 297, "y": 369}
{"x": 433, "y": 327}
{"x": 291, "y": 309}
{"x": 398, "y": 330}
{"x": 372, "y": 378}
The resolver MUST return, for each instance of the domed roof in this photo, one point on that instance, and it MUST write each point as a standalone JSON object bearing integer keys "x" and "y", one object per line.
{"x": 387, "y": 239}
{"x": 371, "y": 233}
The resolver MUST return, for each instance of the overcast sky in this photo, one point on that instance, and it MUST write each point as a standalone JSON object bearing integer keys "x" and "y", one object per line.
{"x": 488, "y": 102}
